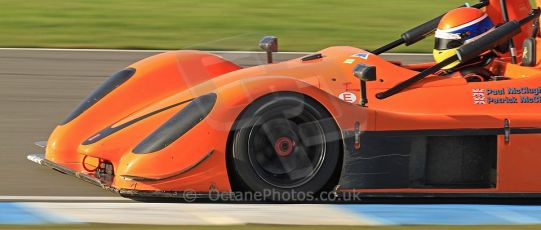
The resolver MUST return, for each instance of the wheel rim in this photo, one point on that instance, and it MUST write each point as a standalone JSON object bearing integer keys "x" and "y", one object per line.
{"x": 285, "y": 148}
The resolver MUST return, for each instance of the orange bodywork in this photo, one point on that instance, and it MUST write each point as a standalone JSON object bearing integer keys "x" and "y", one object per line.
{"x": 196, "y": 161}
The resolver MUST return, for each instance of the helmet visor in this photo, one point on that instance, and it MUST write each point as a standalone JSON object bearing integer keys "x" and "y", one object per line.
{"x": 445, "y": 44}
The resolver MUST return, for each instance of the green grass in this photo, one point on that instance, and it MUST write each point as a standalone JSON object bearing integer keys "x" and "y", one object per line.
{"x": 259, "y": 227}
{"x": 301, "y": 25}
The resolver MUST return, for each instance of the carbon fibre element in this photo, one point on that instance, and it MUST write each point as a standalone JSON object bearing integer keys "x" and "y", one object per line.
{"x": 185, "y": 170}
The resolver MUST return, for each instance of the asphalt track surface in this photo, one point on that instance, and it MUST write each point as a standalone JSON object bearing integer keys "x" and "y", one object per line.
{"x": 38, "y": 87}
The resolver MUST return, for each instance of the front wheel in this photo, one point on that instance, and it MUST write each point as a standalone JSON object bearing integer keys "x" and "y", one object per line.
{"x": 285, "y": 142}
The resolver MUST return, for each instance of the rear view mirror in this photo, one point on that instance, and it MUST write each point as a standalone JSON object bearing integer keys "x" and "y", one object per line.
{"x": 365, "y": 72}
{"x": 269, "y": 44}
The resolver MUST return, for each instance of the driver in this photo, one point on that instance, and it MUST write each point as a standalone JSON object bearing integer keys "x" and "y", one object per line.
{"x": 456, "y": 28}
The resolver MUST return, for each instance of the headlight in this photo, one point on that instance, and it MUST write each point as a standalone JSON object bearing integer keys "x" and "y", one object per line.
{"x": 105, "y": 88}
{"x": 178, "y": 125}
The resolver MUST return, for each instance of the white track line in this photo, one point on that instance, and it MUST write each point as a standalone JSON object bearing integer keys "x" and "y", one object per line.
{"x": 156, "y": 51}
{"x": 137, "y": 51}
{"x": 201, "y": 214}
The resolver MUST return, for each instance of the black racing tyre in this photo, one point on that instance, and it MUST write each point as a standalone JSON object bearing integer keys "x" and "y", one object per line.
{"x": 285, "y": 142}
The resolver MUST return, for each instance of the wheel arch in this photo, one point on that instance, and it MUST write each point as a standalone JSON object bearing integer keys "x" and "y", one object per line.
{"x": 236, "y": 184}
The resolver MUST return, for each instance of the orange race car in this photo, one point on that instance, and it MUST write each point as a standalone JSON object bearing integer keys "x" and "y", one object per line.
{"x": 341, "y": 119}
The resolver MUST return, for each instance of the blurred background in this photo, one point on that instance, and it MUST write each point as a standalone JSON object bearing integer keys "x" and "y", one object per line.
{"x": 39, "y": 87}
{"x": 302, "y": 25}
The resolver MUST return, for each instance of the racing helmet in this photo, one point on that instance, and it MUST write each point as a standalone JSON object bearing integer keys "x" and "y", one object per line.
{"x": 456, "y": 28}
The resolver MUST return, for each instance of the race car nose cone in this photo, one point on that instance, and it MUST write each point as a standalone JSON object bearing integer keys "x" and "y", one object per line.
{"x": 284, "y": 146}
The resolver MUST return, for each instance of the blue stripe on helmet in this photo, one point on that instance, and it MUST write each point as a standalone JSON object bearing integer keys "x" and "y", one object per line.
{"x": 475, "y": 29}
